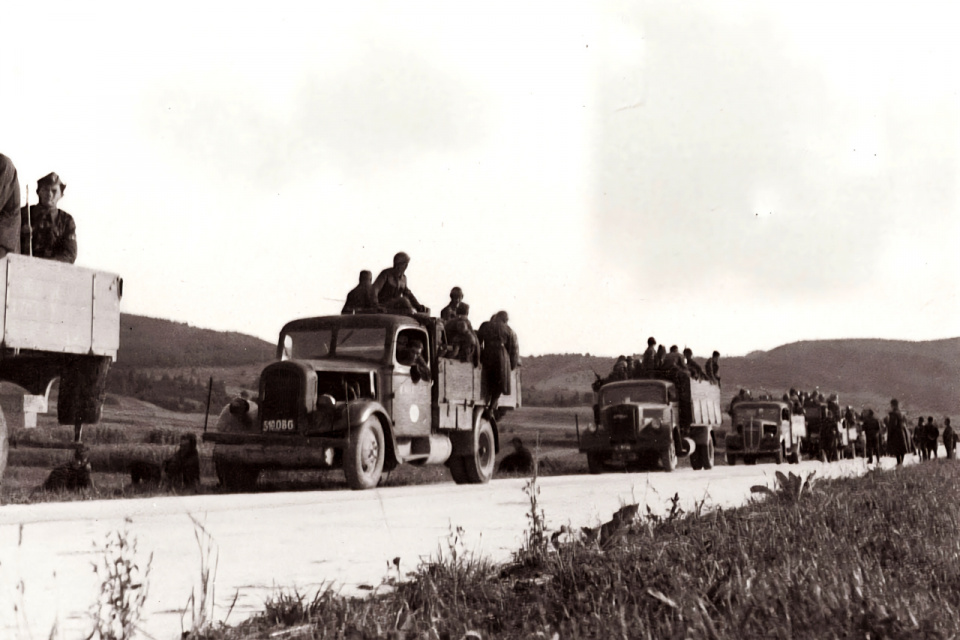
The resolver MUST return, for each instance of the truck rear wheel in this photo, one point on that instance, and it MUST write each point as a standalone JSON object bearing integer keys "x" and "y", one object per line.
{"x": 595, "y": 463}
{"x": 363, "y": 459}
{"x": 478, "y": 466}
{"x": 669, "y": 457}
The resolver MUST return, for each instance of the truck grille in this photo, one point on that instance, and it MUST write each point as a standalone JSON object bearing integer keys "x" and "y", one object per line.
{"x": 752, "y": 432}
{"x": 623, "y": 421}
{"x": 280, "y": 397}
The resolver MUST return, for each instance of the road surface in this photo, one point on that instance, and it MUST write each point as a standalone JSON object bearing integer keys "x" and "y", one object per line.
{"x": 265, "y": 542}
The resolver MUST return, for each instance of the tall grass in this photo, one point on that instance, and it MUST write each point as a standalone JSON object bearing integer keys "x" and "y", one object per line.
{"x": 871, "y": 557}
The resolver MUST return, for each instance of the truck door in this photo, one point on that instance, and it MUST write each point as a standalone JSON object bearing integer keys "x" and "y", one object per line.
{"x": 411, "y": 392}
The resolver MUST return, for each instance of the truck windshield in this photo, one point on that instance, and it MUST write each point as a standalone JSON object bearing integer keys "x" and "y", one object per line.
{"x": 763, "y": 412}
{"x": 640, "y": 392}
{"x": 357, "y": 344}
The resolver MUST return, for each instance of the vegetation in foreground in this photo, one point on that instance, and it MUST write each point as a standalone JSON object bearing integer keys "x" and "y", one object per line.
{"x": 870, "y": 557}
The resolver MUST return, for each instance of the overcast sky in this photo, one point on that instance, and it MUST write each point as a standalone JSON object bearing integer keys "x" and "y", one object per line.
{"x": 723, "y": 175}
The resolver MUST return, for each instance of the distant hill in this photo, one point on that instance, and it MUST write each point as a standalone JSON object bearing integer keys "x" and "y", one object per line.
{"x": 152, "y": 342}
{"x": 925, "y": 376}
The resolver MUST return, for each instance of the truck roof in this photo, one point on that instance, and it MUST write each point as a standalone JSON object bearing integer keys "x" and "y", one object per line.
{"x": 753, "y": 404}
{"x": 633, "y": 381}
{"x": 358, "y": 320}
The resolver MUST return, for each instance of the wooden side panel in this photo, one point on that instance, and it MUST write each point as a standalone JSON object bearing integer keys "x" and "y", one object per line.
{"x": 461, "y": 383}
{"x": 513, "y": 399}
{"x": 50, "y": 306}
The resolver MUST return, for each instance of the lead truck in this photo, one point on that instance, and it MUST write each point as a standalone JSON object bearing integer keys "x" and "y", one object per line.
{"x": 59, "y": 321}
{"x": 343, "y": 393}
{"x": 642, "y": 422}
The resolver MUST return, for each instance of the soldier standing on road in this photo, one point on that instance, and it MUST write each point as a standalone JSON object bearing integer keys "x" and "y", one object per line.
{"x": 920, "y": 439}
{"x": 898, "y": 439}
{"x": 932, "y": 434}
{"x": 949, "y": 439}
{"x": 390, "y": 288}
{"x": 53, "y": 230}
{"x": 361, "y": 298}
{"x": 871, "y": 429}
{"x": 9, "y": 207}
{"x": 450, "y": 311}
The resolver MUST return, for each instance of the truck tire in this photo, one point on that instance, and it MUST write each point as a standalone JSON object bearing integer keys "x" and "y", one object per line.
{"x": 479, "y": 465}
{"x": 4, "y": 446}
{"x": 237, "y": 478}
{"x": 363, "y": 459}
{"x": 794, "y": 457}
{"x": 709, "y": 454}
{"x": 695, "y": 461}
{"x": 458, "y": 470}
{"x": 595, "y": 463}
{"x": 668, "y": 459}
{"x": 779, "y": 456}
{"x": 731, "y": 459}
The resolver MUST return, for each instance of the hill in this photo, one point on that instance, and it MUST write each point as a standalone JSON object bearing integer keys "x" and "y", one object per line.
{"x": 925, "y": 376}
{"x": 152, "y": 342}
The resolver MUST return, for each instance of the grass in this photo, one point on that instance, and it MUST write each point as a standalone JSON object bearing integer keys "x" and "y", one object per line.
{"x": 870, "y": 557}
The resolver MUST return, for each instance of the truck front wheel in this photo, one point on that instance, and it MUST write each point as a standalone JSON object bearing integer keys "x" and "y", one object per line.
{"x": 595, "y": 463}
{"x": 708, "y": 454}
{"x": 669, "y": 457}
{"x": 479, "y": 465}
{"x": 363, "y": 459}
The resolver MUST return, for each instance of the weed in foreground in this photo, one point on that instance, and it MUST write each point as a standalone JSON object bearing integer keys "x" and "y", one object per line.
{"x": 123, "y": 587}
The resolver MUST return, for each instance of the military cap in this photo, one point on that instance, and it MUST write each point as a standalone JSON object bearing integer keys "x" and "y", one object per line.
{"x": 716, "y": 354}
{"x": 456, "y": 291}
{"x": 53, "y": 180}
{"x": 651, "y": 341}
{"x": 401, "y": 258}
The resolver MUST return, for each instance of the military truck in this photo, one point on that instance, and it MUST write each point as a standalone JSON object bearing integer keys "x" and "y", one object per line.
{"x": 344, "y": 394}
{"x": 764, "y": 428}
{"x": 59, "y": 321}
{"x": 640, "y": 422}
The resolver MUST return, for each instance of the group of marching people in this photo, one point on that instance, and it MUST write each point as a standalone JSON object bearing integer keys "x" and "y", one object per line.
{"x": 893, "y": 435}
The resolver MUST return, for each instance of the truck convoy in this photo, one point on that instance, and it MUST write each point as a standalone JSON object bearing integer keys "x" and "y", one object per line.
{"x": 344, "y": 393}
{"x": 59, "y": 321}
{"x": 765, "y": 428}
{"x": 642, "y": 421}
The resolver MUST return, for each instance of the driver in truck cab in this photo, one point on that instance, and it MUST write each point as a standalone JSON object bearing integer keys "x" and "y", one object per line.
{"x": 410, "y": 353}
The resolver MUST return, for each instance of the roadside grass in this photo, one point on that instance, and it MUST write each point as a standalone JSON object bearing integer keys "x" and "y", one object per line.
{"x": 871, "y": 557}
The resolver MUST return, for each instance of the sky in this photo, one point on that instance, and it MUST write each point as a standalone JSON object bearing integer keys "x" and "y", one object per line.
{"x": 724, "y": 175}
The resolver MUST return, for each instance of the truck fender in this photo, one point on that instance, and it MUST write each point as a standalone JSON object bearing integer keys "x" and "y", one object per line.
{"x": 238, "y": 416}
{"x": 358, "y": 412}
{"x": 685, "y": 446}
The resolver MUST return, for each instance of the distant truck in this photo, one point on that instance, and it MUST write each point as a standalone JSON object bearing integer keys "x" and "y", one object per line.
{"x": 827, "y": 439}
{"x": 59, "y": 321}
{"x": 343, "y": 394}
{"x": 640, "y": 422}
{"x": 764, "y": 428}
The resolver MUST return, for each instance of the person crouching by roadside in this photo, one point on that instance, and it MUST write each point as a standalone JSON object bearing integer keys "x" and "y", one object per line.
{"x": 72, "y": 476}
{"x": 519, "y": 461}
{"x": 949, "y": 439}
{"x": 871, "y": 429}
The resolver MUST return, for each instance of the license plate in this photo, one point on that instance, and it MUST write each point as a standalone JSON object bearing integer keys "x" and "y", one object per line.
{"x": 280, "y": 426}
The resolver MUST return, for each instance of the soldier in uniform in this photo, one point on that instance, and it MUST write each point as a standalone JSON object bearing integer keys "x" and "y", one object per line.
{"x": 361, "y": 298}
{"x": 49, "y": 232}
{"x": 949, "y": 439}
{"x": 411, "y": 354}
{"x": 661, "y": 356}
{"x": 696, "y": 371}
{"x": 673, "y": 360}
{"x": 499, "y": 354}
{"x": 390, "y": 288}
{"x": 9, "y": 207}
{"x": 712, "y": 368}
{"x": 649, "y": 361}
{"x": 450, "y": 311}
{"x": 932, "y": 434}
{"x": 519, "y": 461}
{"x": 871, "y": 429}
{"x": 920, "y": 439}
{"x": 182, "y": 469}
{"x": 898, "y": 439}
{"x": 73, "y": 475}
{"x": 461, "y": 338}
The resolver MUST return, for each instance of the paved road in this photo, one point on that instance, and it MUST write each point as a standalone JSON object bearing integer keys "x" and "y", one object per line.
{"x": 303, "y": 540}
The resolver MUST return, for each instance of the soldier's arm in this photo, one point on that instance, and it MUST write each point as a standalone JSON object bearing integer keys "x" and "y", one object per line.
{"x": 413, "y": 299}
{"x": 377, "y": 285}
{"x": 68, "y": 245}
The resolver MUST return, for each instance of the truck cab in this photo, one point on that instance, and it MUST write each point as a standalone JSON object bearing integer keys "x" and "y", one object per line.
{"x": 364, "y": 393}
{"x": 764, "y": 428}
{"x": 640, "y": 422}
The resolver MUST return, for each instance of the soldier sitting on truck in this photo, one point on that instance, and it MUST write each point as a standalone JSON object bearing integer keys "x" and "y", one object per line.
{"x": 673, "y": 360}
{"x": 461, "y": 338}
{"x": 451, "y": 311}
{"x": 9, "y": 207}
{"x": 696, "y": 371}
{"x": 48, "y": 232}
{"x": 649, "y": 362}
{"x": 712, "y": 368}
{"x": 390, "y": 288}
{"x": 361, "y": 298}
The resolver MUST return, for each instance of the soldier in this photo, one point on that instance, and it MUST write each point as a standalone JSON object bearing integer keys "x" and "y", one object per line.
{"x": 649, "y": 361}
{"x": 871, "y": 429}
{"x": 661, "y": 356}
{"x": 361, "y": 298}
{"x": 949, "y": 439}
{"x": 673, "y": 360}
{"x": 411, "y": 354}
{"x": 182, "y": 470}
{"x": 390, "y": 288}
{"x": 696, "y": 371}
{"x": 932, "y": 434}
{"x": 52, "y": 230}
{"x": 450, "y": 311}
{"x": 738, "y": 398}
{"x": 520, "y": 461}
{"x": 620, "y": 370}
{"x": 73, "y": 475}
{"x": 920, "y": 439}
{"x": 9, "y": 207}
{"x": 461, "y": 339}
{"x": 898, "y": 440}
{"x": 712, "y": 368}
{"x": 499, "y": 354}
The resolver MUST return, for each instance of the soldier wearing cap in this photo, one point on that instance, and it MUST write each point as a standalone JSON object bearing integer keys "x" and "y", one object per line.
{"x": 649, "y": 361}
{"x": 49, "y": 232}
{"x": 390, "y": 288}
{"x": 9, "y": 207}
{"x": 449, "y": 312}
{"x": 361, "y": 298}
